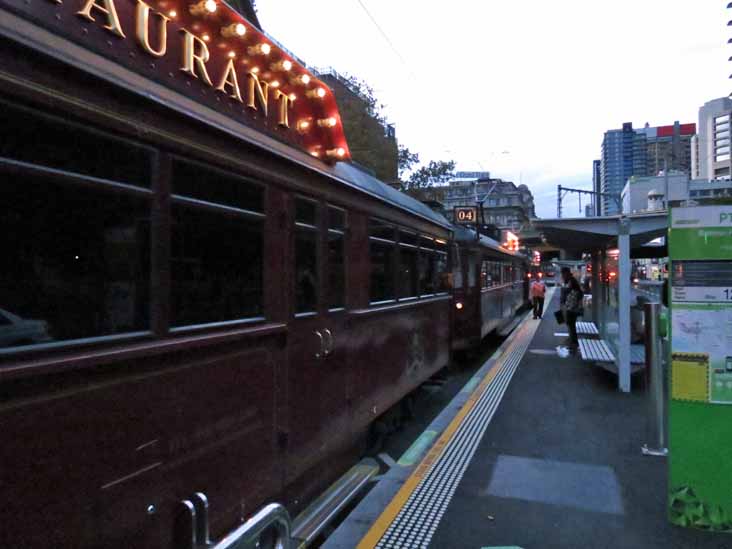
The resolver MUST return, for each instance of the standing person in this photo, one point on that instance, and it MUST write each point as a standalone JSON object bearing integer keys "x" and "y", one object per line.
{"x": 538, "y": 290}
{"x": 572, "y": 304}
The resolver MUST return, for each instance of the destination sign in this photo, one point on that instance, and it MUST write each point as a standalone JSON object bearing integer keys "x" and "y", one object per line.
{"x": 466, "y": 214}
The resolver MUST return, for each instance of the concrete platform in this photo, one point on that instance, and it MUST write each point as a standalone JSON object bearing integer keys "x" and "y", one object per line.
{"x": 556, "y": 465}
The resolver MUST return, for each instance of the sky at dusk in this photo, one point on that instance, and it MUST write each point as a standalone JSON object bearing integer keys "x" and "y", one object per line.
{"x": 524, "y": 89}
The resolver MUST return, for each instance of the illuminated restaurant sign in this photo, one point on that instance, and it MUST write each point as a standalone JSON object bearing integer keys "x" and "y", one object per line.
{"x": 209, "y": 53}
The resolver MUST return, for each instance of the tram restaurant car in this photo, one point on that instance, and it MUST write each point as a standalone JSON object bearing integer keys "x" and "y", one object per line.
{"x": 490, "y": 286}
{"x": 225, "y": 306}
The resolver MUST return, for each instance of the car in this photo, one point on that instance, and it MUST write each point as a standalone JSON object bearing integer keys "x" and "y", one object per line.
{"x": 15, "y": 330}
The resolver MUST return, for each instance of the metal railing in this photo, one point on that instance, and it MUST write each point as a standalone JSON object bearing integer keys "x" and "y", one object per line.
{"x": 656, "y": 383}
{"x": 246, "y": 536}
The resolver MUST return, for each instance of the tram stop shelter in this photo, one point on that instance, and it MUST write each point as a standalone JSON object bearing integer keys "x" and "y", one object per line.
{"x": 612, "y": 242}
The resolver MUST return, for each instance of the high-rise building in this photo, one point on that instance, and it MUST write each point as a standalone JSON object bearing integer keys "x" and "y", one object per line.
{"x": 668, "y": 148}
{"x": 597, "y": 187}
{"x": 629, "y": 152}
{"x": 623, "y": 155}
{"x": 711, "y": 148}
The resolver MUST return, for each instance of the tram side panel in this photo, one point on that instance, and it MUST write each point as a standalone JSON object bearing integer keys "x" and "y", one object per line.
{"x": 105, "y": 456}
{"x": 393, "y": 352}
{"x": 400, "y": 335}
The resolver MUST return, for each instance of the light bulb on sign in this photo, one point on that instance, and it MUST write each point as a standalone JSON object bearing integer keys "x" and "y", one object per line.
{"x": 275, "y": 83}
{"x": 338, "y": 152}
{"x": 233, "y": 30}
{"x": 303, "y": 125}
{"x": 204, "y": 7}
{"x": 172, "y": 14}
{"x": 284, "y": 65}
{"x": 259, "y": 49}
{"x": 317, "y": 93}
{"x": 302, "y": 80}
{"x": 327, "y": 122}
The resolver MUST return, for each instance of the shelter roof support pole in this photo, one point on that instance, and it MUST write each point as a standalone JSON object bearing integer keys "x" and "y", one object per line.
{"x": 623, "y": 351}
{"x": 596, "y": 290}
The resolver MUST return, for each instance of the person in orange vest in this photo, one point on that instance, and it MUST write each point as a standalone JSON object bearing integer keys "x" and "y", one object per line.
{"x": 538, "y": 291}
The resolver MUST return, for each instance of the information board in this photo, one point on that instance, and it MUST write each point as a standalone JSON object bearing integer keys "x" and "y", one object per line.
{"x": 700, "y": 415}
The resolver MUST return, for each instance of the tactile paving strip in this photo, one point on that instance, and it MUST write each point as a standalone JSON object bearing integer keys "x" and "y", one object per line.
{"x": 418, "y": 519}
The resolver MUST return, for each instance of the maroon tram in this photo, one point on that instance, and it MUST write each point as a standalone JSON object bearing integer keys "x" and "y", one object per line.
{"x": 197, "y": 298}
{"x": 490, "y": 287}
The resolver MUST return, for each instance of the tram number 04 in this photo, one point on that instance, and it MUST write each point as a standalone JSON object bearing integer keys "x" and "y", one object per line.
{"x": 466, "y": 215}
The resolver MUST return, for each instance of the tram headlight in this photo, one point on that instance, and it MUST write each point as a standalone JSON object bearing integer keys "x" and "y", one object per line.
{"x": 459, "y": 306}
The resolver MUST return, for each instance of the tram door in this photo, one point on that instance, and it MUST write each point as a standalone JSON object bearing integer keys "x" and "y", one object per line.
{"x": 319, "y": 416}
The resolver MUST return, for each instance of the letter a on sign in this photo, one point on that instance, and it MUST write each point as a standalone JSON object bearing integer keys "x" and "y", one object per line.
{"x": 107, "y": 8}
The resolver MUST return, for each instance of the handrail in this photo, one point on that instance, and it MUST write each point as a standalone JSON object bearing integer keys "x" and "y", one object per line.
{"x": 247, "y": 534}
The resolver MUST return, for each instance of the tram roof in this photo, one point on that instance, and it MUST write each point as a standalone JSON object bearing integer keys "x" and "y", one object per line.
{"x": 463, "y": 234}
{"x": 350, "y": 174}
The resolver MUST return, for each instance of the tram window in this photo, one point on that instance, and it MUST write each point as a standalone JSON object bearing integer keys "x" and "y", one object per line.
{"x": 382, "y": 271}
{"x": 408, "y": 238}
{"x": 77, "y": 261}
{"x": 486, "y": 275}
{"x": 306, "y": 256}
{"x": 440, "y": 245}
{"x": 442, "y": 283}
{"x": 336, "y": 258}
{"x": 306, "y": 211}
{"x": 426, "y": 273}
{"x": 498, "y": 273}
{"x": 336, "y": 219}
{"x": 383, "y": 261}
{"x": 306, "y": 271}
{"x": 71, "y": 147}
{"x": 202, "y": 183}
{"x": 380, "y": 229}
{"x": 216, "y": 266}
{"x": 408, "y": 272}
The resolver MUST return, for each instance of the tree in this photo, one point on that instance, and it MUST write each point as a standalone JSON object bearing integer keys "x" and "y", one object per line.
{"x": 406, "y": 161}
{"x": 436, "y": 172}
{"x": 365, "y": 126}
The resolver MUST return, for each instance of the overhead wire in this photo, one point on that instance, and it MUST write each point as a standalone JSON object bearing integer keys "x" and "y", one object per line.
{"x": 401, "y": 58}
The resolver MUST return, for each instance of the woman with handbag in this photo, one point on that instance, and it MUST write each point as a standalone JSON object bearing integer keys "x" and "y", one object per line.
{"x": 572, "y": 305}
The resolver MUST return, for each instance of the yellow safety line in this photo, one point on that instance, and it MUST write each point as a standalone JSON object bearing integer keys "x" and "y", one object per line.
{"x": 377, "y": 530}
{"x": 388, "y": 515}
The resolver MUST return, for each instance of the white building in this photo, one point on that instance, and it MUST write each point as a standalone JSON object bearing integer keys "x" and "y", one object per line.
{"x": 643, "y": 194}
{"x": 710, "y": 149}
{"x": 635, "y": 192}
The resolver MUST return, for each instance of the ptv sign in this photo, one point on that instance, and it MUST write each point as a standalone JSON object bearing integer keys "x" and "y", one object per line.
{"x": 465, "y": 215}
